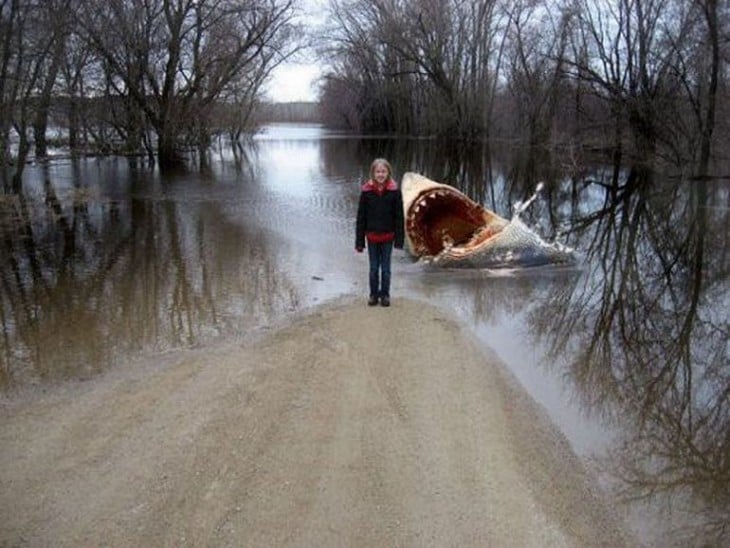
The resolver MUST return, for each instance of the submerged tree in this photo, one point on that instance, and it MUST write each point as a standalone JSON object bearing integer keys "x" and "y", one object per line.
{"x": 175, "y": 59}
{"x": 31, "y": 50}
{"x": 154, "y": 71}
{"x": 643, "y": 80}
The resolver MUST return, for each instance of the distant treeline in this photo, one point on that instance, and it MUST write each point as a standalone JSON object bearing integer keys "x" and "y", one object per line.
{"x": 295, "y": 112}
{"x": 96, "y": 120}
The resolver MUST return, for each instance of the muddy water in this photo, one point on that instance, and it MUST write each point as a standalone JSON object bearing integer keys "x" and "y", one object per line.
{"x": 107, "y": 260}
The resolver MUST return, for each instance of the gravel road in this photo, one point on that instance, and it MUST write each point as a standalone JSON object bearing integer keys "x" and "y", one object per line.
{"x": 350, "y": 426}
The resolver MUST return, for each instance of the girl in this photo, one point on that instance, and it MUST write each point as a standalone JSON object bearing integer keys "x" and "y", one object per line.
{"x": 380, "y": 221}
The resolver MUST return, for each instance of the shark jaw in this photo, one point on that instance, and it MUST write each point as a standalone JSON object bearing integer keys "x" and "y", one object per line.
{"x": 443, "y": 222}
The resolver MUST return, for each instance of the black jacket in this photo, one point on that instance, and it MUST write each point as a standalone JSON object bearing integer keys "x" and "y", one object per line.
{"x": 381, "y": 213}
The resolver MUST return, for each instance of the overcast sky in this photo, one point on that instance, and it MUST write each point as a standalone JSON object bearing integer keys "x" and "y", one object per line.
{"x": 295, "y": 81}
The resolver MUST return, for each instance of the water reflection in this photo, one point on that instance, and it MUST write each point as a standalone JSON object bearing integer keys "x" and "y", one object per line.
{"x": 644, "y": 338}
{"x": 88, "y": 279}
{"x": 102, "y": 259}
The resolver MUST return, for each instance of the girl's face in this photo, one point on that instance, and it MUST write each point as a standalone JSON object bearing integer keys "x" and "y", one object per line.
{"x": 380, "y": 174}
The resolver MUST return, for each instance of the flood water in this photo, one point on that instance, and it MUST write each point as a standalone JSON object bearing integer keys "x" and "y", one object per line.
{"x": 106, "y": 261}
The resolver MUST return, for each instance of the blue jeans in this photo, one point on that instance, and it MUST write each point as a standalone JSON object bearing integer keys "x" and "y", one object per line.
{"x": 379, "y": 255}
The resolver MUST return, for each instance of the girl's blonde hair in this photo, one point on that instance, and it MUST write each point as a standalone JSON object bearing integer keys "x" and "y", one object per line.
{"x": 381, "y": 162}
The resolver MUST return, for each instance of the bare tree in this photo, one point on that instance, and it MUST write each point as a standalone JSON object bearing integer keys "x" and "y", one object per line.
{"x": 537, "y": 42}
{"x": 55, "y": 20}
{"x": 11, "y": 23}
{"x": 29, "y": 42}
{"x": 418, "y": 66}
{"x": 78, "y": 63}
{"x": 640, "y": 79}
{"x": 628, "y": 56}
{"x": 174, "y": 59}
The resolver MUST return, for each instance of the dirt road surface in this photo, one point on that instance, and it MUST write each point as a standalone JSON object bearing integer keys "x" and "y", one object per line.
{"x": 352, "y": 426}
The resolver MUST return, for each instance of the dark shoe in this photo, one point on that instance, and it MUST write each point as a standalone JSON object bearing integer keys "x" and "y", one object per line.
{"x": 385, "y": 301}
{"x": 372, "y": 301}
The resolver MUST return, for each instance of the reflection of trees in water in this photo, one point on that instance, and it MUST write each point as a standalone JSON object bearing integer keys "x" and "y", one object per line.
{"x": 467, "y": 166}
{"x": 647, "y": 333}
{"x": 86, "y": 280}
{"x": 494, "y": 298}
{"x": 340, "y": 156}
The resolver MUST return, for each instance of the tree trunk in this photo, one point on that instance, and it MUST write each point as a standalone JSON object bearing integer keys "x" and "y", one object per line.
{"x": 40, "y": 120}
{"x": 40, "y": 125}
{"x": 23, "y": 151}
{"x": 135, "y": 125}
{"x": 708, "y": 124}
{"x": 73, "y": 124}
{"x": 167, "y": 153}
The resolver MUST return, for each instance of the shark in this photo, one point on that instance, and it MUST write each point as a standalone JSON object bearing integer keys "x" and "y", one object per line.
{"x": 445, "y": 227}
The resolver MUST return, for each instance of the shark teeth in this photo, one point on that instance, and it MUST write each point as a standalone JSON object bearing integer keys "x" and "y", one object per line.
{"x": 442, "y": 221}
{"x": 431, "y": 196}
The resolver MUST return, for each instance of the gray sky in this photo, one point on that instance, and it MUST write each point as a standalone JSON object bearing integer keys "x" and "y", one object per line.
{"x": 295, "y": 81}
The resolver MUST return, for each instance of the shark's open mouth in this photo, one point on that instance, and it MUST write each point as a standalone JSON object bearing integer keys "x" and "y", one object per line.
{"x": 441, "y": 220}
{"x": 446, "y": 228}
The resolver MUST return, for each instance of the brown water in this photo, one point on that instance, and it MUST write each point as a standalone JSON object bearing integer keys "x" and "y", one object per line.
{"x": 107, "y": 260}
